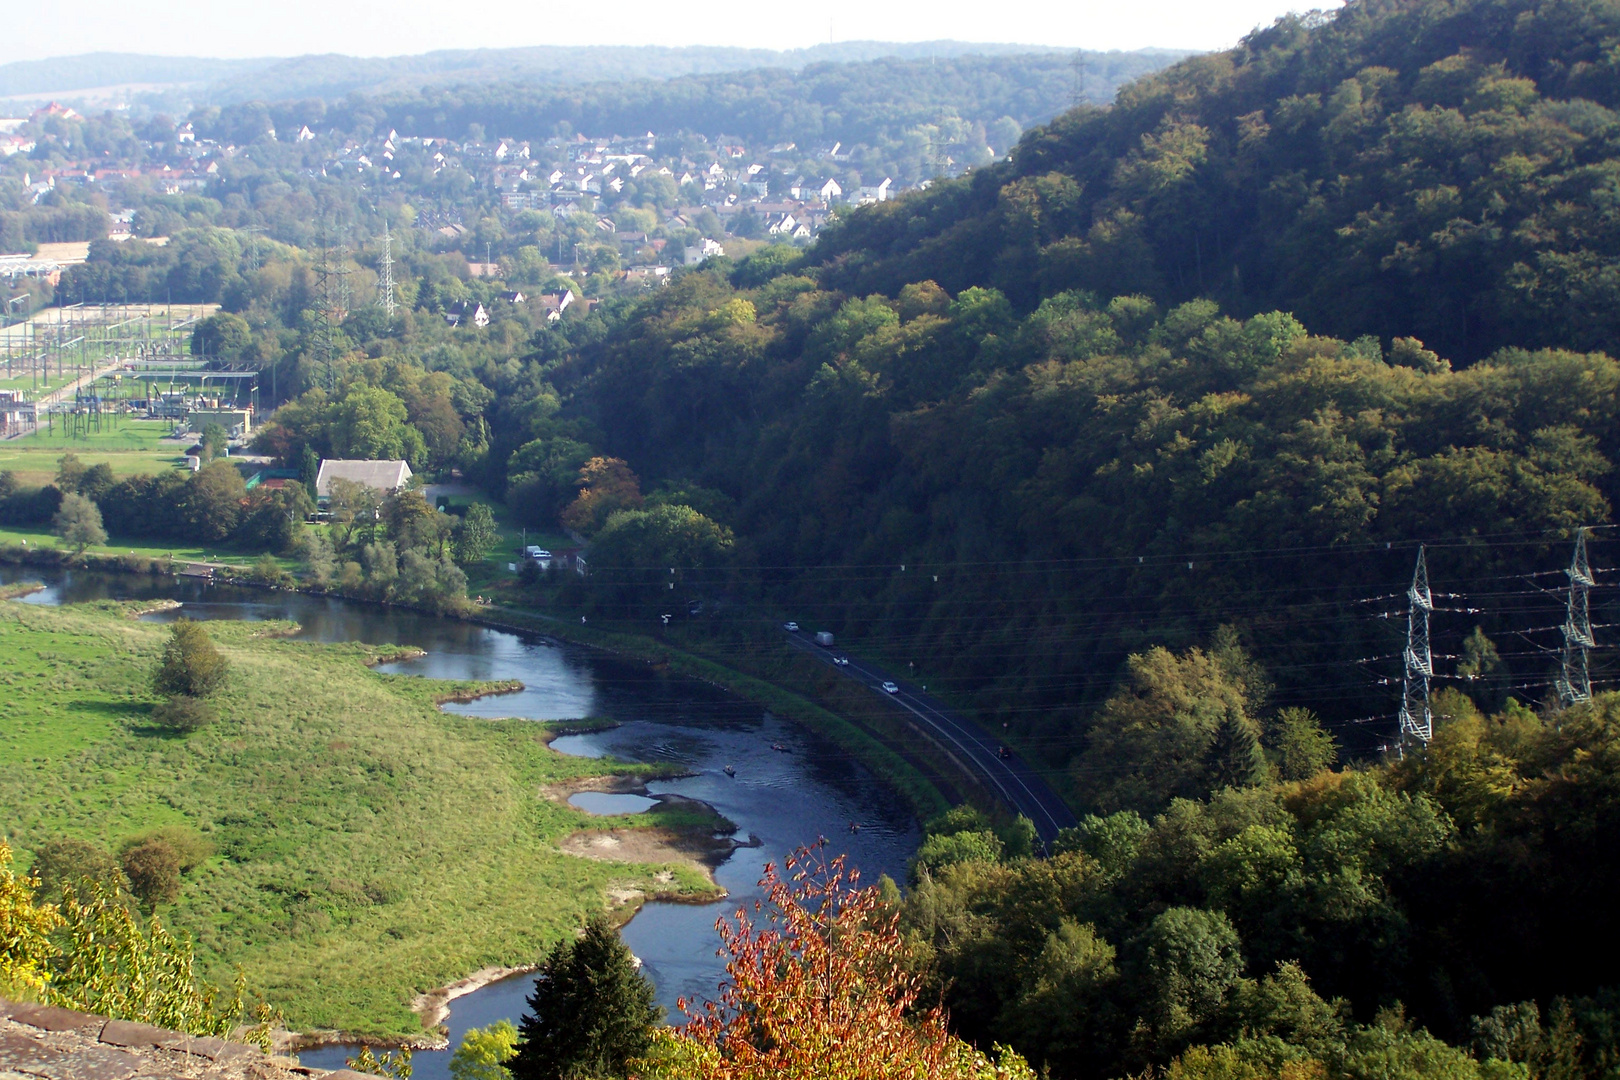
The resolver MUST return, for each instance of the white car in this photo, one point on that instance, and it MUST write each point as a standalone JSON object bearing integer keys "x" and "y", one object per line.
{"x": 841, "y": 661}
{"x": 791, "y": 627}
{"x": 890, "y": 688}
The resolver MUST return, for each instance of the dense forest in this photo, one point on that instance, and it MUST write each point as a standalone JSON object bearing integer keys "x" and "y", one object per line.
{"x": 868, "y": 102}
{"x": 1437, "y": 170}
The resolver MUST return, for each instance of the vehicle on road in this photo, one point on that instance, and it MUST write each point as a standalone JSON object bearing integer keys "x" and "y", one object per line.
{"x": 841, "y": 661}
{"x": 1004, "y": 753}
{"x": 890, "y": 688}
{"x": 791, "y": 627}
{"x": 824, "y": 639}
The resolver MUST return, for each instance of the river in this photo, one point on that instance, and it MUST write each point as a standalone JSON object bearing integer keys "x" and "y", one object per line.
{"x": 785, "y": 799}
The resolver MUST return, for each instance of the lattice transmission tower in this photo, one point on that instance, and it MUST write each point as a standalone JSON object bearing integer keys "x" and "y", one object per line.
{"x": 1416, "y": 722}
{"x": 385, "y": 266}
{"x": 1575, "y": 683}
{"x": 332, "y": 275}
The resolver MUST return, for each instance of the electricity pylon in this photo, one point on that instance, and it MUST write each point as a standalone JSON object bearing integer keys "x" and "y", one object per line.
{"x": 1575, "y": 684}
{"x": 332, "y": 278}
{"x": 385, "y": 290}
{"x": 1416, "y": 720}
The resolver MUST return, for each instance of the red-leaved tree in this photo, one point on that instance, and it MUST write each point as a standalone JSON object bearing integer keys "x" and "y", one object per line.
{"x": 817, "y": 988}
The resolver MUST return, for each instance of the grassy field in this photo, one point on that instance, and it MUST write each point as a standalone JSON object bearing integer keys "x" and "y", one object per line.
{"x": 367, "y": 845}
{"x": 229, "y": 554}
{"x": 129, "y": 446}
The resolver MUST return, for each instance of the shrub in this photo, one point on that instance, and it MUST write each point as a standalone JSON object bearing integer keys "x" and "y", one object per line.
{"x": 189, "y": 846}
{"x": 153, "y": 869}
{"x": 71, "y": 861}
{"x": 184, "y": 713}
{"x": 191, "y": 665}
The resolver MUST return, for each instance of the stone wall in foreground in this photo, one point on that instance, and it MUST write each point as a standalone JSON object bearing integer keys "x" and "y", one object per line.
{"x": 43, "y": 1042}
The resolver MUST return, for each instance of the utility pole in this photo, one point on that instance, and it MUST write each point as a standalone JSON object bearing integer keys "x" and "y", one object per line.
{"x": 386, "y": 265}
{"x": 1415, "y": 719}
{"x": 1575, "y": 684}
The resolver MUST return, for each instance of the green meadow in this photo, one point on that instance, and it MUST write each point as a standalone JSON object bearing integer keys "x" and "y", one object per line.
{"x": 128, "y": 446}
{"x": 367, "y": 846}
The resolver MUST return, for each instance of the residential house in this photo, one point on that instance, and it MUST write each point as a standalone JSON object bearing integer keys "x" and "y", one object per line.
{"x": 705, "y": 249}
{"x": 865, "y": 195}
{"x": 467, "y": 311}
{"x": 555, "y": 303}
{"x": 384, "y": 476}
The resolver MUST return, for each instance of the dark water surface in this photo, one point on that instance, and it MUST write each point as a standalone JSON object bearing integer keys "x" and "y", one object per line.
{"x": 785, "y": 799}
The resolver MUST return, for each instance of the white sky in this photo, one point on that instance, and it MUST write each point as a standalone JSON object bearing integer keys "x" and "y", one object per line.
{"x": 243, "y": 28}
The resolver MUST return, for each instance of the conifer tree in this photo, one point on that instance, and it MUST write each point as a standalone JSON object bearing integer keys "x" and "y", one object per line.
{"x": 591, "y": 1011}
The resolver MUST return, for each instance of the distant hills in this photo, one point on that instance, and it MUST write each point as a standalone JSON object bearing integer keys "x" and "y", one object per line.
{"x": 172, "y": 81}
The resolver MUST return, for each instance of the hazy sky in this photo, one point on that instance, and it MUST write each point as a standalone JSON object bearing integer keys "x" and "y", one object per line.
{"x": 238, "y": 28}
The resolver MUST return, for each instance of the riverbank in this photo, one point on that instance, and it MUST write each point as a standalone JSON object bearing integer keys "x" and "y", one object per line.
{"x": 924, "y": 796}
{"x": 366, "y": 843}
{"x": 894, "y": 767}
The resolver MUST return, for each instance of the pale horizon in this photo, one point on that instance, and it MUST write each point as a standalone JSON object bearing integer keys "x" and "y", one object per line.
{"x": 195, "y": 28}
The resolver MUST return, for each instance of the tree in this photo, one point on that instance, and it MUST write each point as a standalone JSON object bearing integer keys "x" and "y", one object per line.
{"x": 606, "y": 485}
{"x": 213, "y": 441}
{"x": 222, "y": 336}
{"x": 191, "y": 665}
{"x": 78, "y": 522}
{"x": 820, "y": 989}
{"x": 309, "y": 468}
{"x": 1178, "y": 725}
{"x": 69, "y": 861}
{"x": 69, "y": 470}
{"x": 25, "y": 930}
{"x": 477, "y": 536}
{"x": 591, "y": 1012}
{"x": 1192, "y": 962}
{"x": 484, "y": 1052}
{"x": 212, "y": 505}
{"x": 1298, "y": 744}
{"x": 153, "y": 870}
{"x": 96, "y": 481}
{"x": 370, "y": 423}
{"x": 184, "y": 713}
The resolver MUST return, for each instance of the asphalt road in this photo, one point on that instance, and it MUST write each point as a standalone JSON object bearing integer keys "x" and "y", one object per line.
{"x": 1011, "y": 778}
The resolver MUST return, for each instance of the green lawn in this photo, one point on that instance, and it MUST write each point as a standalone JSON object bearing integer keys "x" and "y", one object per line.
{"x": 367, "y": 845}
{"x": 129, "y": 446}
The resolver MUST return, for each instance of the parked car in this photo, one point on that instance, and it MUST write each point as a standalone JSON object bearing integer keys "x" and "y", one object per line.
{"x": 890, "y": 688}
{"x": 791, "y": 627}
{"x": 824, "y": 639}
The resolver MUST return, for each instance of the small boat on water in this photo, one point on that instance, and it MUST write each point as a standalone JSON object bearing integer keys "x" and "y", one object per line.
{"x": 780, "y": 749}
{"x": 729, "y": 771}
